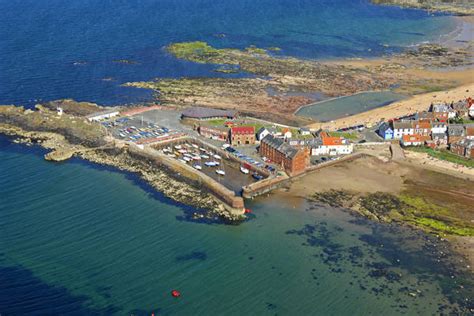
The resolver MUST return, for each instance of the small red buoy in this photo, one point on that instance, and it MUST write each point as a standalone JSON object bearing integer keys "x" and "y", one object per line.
{"x": 175, "y": 293}
{"x": 247, "y": 211}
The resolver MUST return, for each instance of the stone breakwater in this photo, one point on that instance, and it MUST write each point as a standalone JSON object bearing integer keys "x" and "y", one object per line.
{"x": 179, "y": 190}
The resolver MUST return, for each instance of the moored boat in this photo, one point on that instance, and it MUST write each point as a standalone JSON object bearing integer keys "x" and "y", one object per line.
{"x": 220, "y": 172}
{"x": 198, "y": 167}
{"x": 244, "y": 170}
{"x": 257, "y": 176}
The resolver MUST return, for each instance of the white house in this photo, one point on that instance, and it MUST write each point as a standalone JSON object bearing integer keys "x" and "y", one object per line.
{"x": 332, "y": 146}
{"x": 95, "y": 117}
{"x": 439, "y": 128}
{"x": 305, "y": 131}
{"x": 286, "y": 133}
{"x": 60, "y": 111}
{"x": 262, "y": 132}
{"x": 401, "y": 128}
{"x": 471, "y": 110}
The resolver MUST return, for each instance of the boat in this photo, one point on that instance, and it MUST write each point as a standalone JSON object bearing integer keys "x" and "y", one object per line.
{"x": 178, "y": 147}
{"x": 182, "y": 151}
{"x": 187, "y": 159}
{"x": 195, "y": 146}
{"x": 247, "y": 211}
{"x": 182, "y": 160}
{"x": 196, "y": 157}
{"x": 198, "y": 167}
{"x": 210, "y": 164}
{"x": 257, "y": 176}
{"x": 244, "y": 170}
{"x": 205, "y": 157}
{"x": 175, "y": 293}
{"x": 220, "y": 172}
{"x": 217, "y": 157}
{"x": 203, "y": 149}
{"x": 216, "y": 163}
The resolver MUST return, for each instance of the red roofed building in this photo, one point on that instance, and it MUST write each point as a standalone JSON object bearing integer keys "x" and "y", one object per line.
{"x": 242, "y": 135}
{"x": 414, "y": 140}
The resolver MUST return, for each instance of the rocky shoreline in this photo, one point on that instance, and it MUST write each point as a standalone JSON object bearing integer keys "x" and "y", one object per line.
{"x": 206, "y": 208}
{"x": 457, "y": 7}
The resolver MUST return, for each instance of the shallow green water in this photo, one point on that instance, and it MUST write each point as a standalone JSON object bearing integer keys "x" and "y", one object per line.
{"x": 78, "y": 238}
{"x": 345, "y": 106}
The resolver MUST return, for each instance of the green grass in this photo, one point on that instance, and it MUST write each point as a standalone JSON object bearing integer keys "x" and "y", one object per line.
{"x": 444, "y": 155}
{"x": 192, "y": 50}
{"x": 346, "y": 135}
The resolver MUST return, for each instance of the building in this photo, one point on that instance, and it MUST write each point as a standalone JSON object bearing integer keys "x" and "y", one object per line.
{"x": 304, "y": 131}
{"x": 455, "y": 133}
{"x": 99, "y": 116}
{"x": 440, "y": 111}
{"x": 464, "y": 147}
{"x": 202, "y": 113}
{"x": 413, "y": 140}
{"x": 439, "y": 128}
{"x": 332, "y": 146}
{"x": 401, "y": 128}
{"x": 214, "y": 132}
{"x": 424, "y": 116}
{"x": 385, "y": 131}
{"x": 262, "y": 132}
{"x": 242, "y": 135}
{"x": 471, "y": 110}
{"x": 461, "y": 108}
{"x": 439, "y": 139}
{"x": 286, "y": 132}
{"x": 422, "y": 128}
{"x": 293, "y": 160}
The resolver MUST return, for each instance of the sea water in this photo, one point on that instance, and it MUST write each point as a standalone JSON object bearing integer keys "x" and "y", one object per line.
{"x": 51, "y": 49}
{"x": 76, "y": 238}
{"x": 332, "y": 109}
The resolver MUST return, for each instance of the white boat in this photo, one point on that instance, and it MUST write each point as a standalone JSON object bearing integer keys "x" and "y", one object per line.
{"x": 181, "y": 160}
{"x": 198, "y": 167}
{"x": 244, "y": 170}
{"x": 182, "y": 151}
{"x": 217, "y": 157}
{"x": 196, "y": 157}
{"x": 205, "y": 157}
{"x": 216, "y": 163}
{"x": 210, "y": 164}
{"x": 186, "y": 159}
{"x": 220, "y": 172}
{"x": 195, "y": 146}
{"x": 178, "y": 147}
{"x": 203, "y": 150}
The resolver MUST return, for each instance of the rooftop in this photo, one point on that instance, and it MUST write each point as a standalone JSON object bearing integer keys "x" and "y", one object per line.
{"x": 243, "y": 130}
{"x": 202, "y": 113}
{"x": 281, "y": 146}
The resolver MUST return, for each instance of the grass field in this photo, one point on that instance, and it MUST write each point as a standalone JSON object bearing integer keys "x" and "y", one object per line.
{"x": 444, "y": 155}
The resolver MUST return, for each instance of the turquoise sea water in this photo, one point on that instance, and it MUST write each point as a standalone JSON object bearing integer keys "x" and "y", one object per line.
{"x": 51, "y": 49}
{"x": 79, "y": 239}
{"x": 340, "y": 107}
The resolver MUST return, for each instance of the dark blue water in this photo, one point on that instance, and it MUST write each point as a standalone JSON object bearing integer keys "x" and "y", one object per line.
{"x": 52, "y": 49}
{"x": 78, "y": 239}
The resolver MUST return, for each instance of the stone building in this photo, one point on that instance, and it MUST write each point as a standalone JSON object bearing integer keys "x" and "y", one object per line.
{"x": 242, "y": 135}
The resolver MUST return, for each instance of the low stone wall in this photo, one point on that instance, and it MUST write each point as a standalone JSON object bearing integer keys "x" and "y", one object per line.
{"x": 235, "y": 204}
{"x": 264, "y": 186}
